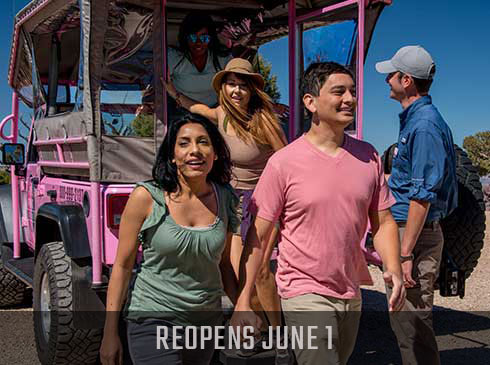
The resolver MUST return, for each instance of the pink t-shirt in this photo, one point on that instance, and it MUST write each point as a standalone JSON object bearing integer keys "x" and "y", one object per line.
{"x": 322, "y": 204}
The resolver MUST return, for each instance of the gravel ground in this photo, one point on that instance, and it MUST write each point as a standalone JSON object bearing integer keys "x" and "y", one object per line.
{"x": 462, "y": 325}
{"x": 477, "y": 293}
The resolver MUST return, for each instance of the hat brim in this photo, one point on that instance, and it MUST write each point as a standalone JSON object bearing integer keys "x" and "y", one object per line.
{"x": 385, "y": 67}
{"x": 217, "y": 79}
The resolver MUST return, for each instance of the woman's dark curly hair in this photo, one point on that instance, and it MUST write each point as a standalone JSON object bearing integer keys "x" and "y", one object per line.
{"x": 194, "y": 22}
{"x": 165, "y": 171}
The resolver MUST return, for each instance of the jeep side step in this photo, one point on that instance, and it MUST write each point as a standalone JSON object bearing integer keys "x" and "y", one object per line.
{"x": 22, "y": 268}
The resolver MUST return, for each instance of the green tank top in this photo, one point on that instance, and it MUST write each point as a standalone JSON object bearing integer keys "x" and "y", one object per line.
{"x": 179, "y": 279}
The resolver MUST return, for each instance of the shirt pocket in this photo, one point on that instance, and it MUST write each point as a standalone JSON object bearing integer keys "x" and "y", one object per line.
{"x": 401, "y": 161}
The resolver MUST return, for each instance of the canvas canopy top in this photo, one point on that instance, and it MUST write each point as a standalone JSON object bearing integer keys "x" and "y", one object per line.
{"x": 111, "y": 45}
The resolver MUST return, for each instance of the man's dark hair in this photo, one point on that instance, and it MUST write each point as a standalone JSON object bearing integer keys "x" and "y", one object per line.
{"x": 422, "y": 85}
{"x": 317, "y": 74}
{"x": 165, "y": 171}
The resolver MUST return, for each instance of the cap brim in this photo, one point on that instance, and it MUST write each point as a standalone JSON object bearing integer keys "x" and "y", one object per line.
{"x": 385, "y": 67}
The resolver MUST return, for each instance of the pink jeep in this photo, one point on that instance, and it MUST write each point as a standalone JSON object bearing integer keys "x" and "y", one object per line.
{"x": 90, "y": 73}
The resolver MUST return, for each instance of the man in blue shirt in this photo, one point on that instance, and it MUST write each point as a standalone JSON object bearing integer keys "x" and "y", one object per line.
{"x": 423, "y": 182}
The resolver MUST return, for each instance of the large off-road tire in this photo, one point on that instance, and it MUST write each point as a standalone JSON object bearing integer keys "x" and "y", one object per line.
{"x": 12, "y": 290}
{"x": 57, "y": 341}
{"x": 464, "y": 229}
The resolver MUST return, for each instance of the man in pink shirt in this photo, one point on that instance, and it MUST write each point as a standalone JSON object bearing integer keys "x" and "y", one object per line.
{"x": 323, "y": 188}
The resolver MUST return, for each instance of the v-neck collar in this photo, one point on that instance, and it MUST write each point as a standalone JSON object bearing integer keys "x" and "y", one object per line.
{"x": 325, "y": 156}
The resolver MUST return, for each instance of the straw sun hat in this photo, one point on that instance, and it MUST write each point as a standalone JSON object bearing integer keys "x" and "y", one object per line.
{"x": 238, "y": 66}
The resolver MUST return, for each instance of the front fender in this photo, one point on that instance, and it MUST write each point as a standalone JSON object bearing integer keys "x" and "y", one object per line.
{"x": 71, "y": 222}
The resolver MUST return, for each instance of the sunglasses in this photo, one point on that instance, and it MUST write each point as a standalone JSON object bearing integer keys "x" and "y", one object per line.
{"x": 204, "y": 38}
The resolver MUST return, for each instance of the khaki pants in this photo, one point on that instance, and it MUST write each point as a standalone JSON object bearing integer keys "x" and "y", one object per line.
{"x": 413, "y": 325}
{"x": 319, "y": 311}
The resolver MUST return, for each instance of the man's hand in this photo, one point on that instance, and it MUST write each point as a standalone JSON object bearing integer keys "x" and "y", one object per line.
{"x": 407, "y": 267}
{"x": 397, "y": 298}
{"x": 245, "y": 316}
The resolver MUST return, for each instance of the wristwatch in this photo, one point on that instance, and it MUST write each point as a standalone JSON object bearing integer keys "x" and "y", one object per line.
{"x": 407, "y": 258}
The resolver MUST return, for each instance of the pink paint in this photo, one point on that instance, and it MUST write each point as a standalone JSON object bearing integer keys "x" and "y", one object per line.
{"x": 292, "y": 69}
{"x": 60, "y": 153}
{"x": 360, "y": 66}
{"x": 164, "y": 48}
{"x": 69, "y": 165}
{"x": 70, "y": 140}
{"x": 96, "y": 244}
{"x": 14, "y": 179}
{"x": 324, "y": 10}
{"x": 4, "y": 122}
{"x": 111, "y": 236}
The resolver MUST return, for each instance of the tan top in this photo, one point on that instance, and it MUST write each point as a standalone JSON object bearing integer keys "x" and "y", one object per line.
{"x": 248, "y": 158}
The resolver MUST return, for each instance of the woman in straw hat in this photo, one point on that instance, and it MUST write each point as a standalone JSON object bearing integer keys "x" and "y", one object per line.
{"x": 245, "y": 117}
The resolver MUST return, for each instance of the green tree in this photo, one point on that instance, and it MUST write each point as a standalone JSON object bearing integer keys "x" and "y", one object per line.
{"x": 478, "y": 148}
{"x": 142, "y": 125}
{"x": 4, "y": 176}
{"x": 264, "y": 68}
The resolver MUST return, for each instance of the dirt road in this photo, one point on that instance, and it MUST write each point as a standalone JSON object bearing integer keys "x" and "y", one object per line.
{"x": 462, "y": 325}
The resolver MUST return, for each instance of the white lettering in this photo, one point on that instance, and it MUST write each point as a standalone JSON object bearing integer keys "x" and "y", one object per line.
{"x": 206, "y": 335}
{"x": 175, "y": 337}
{"x": 297, "y": 338}
{"x": 190, "y": 338}
{"x": 311, "y": 337}
{"x": 329, "y": 336}
{"x": 248, "y": 337}
{"x": 161, "y": 339}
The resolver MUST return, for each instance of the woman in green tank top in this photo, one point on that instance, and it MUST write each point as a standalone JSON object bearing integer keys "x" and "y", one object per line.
{"x": 184, "y": 220}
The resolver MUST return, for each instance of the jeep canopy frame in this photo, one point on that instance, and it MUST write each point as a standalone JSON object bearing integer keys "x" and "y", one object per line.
{"x": 269, "y": 20}
{"x": 109, "y": 34}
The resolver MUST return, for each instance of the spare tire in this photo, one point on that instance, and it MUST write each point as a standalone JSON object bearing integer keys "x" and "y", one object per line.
{"x": 464, "y": 228}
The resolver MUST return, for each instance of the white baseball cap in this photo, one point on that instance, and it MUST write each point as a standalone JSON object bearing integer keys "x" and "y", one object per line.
{"x": 411, "y": 60}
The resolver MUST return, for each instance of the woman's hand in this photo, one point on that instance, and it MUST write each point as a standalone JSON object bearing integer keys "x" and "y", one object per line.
{"x": 111, "y": 350}
{"x": 169, "y": 86}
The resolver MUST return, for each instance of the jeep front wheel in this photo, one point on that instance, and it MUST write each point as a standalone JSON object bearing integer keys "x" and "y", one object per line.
{"x": 57, "y": 341}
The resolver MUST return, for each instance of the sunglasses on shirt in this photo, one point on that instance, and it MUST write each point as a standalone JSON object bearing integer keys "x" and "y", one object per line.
{"x": 204, "y": 38}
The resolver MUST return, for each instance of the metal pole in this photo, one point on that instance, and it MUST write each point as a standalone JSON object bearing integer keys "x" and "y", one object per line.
{"x": 14, "y": 179}
{"x": 164, "y": 49}
{"x": 96, "y": 220}
{"x": 360, "y": 66}
{"x": 292, "y": 68}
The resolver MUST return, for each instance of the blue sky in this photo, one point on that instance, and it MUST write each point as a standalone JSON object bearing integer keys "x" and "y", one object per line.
{"x": 456, "y": 35}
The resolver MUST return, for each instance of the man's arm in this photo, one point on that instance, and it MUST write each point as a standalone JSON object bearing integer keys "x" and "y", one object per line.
{"x": 387, "y": 244}
{"x": 252, "y": 257}
{"x": 417, "y": 214}
{"x": 227, "y": 274}
{"x": 428, "y": 161}
{"x": 250, "y": 263}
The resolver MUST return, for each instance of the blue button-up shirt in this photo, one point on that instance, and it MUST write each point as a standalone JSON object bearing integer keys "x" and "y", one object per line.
{"x": 424, "y": 167}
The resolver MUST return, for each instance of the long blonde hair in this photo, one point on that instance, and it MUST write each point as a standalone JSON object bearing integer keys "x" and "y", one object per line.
{"x": 258, "y": 122}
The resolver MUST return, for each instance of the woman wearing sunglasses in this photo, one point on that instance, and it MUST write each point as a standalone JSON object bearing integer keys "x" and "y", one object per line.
{"x": 246, "y": 119}
{"x": 198, "y": 57}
